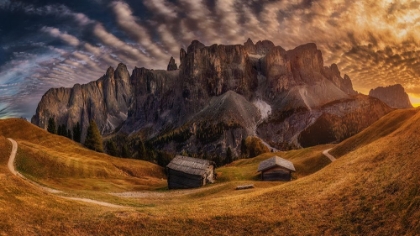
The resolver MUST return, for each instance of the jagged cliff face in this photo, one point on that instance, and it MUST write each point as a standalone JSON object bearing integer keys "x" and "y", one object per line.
{"x": 218, "y": 96}
{"x": 106, "y": 101}
{"x": 211, "y": 71}
{"x": 333, "y": 122}
{"x": 393, "y": 95}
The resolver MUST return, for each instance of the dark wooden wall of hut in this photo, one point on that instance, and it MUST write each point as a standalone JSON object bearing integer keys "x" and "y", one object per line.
{"x": 181, "y": 180}
{"x": 276, "y": 173}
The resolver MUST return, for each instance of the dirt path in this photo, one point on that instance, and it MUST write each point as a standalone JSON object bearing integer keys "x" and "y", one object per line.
{"x": 11, "y": 166}
{"x": 12, "y": 157}
{"x": 331, "y": 157}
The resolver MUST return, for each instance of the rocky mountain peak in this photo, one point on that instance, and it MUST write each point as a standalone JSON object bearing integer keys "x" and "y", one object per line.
{"x": 250, "y": 47}
{"x": 263, "y": 47}
{"x": 195, "y": 44}
{"x": 121, "y": 67}
{"x": 393, "y": 95}
{"x": 172, "y": 65}
{"x": 334, "y": 69}
{"x": 121, "y": 73}
{"x": 249, "y": 42}
{"x": 334, "y": 75}
{"x": 110, "y": 72}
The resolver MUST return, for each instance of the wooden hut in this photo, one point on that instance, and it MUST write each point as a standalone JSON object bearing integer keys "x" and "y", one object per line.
{"x": 276, "y": 168}
{"x": 188, "y": 172}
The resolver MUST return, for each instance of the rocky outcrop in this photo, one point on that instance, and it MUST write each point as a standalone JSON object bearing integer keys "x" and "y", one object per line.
{"x": 211, "y": 71}
{"x": 172, "y": 65}
{"x": 218, "y": 96}
{"x": 393, "y": 95}
{"x": 332, "y": 122}
{"x": 343, "y": 83}
{"x": 260, "y": 48}
{"x": 106, "y": 101}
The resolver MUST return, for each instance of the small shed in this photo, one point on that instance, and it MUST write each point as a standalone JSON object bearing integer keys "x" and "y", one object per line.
{"x": 276, "y": 168}
{"x": 187, "y": 172}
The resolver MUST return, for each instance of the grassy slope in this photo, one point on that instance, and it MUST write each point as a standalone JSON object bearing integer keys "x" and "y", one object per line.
{"x": 28, "y": 211}
{"x": 371, "y": 190}
{"x": 383, "y": 127}
{"x": 306, "y": 161}
{"x": 61, "y": 163}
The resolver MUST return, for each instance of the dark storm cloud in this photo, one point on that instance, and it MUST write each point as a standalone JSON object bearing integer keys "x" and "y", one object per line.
{"x": 54, "y": 43}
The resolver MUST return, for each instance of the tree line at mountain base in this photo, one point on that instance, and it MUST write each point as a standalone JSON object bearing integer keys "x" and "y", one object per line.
{"x": 125, "y": 147}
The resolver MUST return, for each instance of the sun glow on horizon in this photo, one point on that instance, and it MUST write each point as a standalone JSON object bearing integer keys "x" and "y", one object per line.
{"x": 414, "y": 99}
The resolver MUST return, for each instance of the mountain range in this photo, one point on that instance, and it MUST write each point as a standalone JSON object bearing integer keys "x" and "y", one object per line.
{"x": 217, "y": 97}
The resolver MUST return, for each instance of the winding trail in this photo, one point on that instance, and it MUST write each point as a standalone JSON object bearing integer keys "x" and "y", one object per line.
{"x": 11, "y": 166}
{"x": 331, "y": 157}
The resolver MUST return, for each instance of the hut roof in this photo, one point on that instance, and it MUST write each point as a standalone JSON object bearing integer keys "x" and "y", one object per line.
{"x": 276, "y": 161}
{"x": 189, "y": 165}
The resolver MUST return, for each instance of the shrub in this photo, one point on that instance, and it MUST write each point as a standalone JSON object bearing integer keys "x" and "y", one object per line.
{"x": 255, "y": 147}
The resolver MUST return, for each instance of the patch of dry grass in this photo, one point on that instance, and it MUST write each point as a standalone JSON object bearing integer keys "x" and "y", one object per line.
{"x": 25, "y": 210}
{"x": 383, "y": 127}
{"x": 306, "y": 161}
{"x": 58, "y": 162}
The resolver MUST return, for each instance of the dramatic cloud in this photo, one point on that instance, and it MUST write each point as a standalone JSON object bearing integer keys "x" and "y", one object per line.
{"x": 66, "y": 42}
{"x": 73, "y": 41}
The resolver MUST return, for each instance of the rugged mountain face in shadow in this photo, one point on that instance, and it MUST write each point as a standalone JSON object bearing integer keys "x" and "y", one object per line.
{"x": 393, "y": 95}
{"x": 106, "y": 101}
{"x": 218, "y": 96}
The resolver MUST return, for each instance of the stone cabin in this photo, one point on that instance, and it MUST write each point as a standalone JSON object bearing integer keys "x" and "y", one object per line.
{"x": 187, "y": 172}
{"x": 276, "y": 168}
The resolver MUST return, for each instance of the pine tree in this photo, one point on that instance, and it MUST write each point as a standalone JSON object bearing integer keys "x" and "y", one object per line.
{"x": 69, "y": 135}
{"x": 125, "y": 153}
{"x": 112, "y": 148}
{"x": 52, "y": 128}
{"x": 229, "y": 157}
{"x": 62, "y": 130}
{"x": 142, "y": 151}
{"x": 244, "y": 148}
{"x": 93, "y": 139}
{"x": 77, "y": 133}
{"x": 59, "y": 130}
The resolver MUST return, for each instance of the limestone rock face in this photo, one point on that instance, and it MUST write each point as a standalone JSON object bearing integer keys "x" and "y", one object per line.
{"x": 260, "y": 48}
{"x": 332, "y": 122}
{"x": 214, "y": 70}
{"x": 219, "y": 95}
{"x": 344, "y": 83}
{"x": 106, "y": 101}
{"x": 298, "y": 77}
{"x": 172, "y": 65}
{"x": 393, "y": 95}
{"x": 155, "y": 100}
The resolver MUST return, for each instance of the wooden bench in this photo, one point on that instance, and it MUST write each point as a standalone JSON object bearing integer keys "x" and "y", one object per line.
{"x": 241, "y": 187}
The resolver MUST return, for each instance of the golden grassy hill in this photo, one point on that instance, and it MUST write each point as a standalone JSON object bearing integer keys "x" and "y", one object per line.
{"x": 26, "y": 210}
{"x": 58, "y": 162}
{"x": 383, "y": 127}
{"x": 372, "y": 189}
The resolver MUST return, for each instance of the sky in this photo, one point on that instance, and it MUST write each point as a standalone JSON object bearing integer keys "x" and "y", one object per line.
{"x": 58, "y": 43}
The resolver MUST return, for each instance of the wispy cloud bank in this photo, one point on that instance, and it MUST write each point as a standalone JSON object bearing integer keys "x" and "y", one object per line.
{"x": 73, "y": 41}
